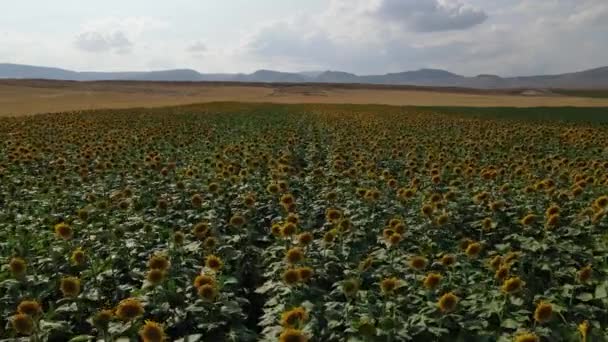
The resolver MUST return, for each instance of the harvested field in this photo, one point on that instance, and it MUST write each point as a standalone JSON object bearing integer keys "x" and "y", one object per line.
{"x": 23, "y": 97}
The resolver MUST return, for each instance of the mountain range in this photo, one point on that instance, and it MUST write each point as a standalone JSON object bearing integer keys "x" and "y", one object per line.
{"x": 589, "y": 79}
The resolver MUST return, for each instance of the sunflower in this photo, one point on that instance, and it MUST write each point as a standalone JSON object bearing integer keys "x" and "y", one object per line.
{"x": 584, "y": 274}
{"x": 208, "y": 292}
{"x": 495, "y": 262}
{"x": 512, "y": 285}
{"x": 102, "y": 319}
{"x": 70, "y": 286}
{"x": 294, "y": 255}
{"x": 333, "y": 215}
{"x": 305, "y": 238}
{"x": 18, "y": 266}
{"x": 291, "y": 276}
{"x": 447, "y": 303}
{"x": 448, "y": 260}
{"x": 418, "y": 263}
{"x": 213, "y": 262}
{"x": 350, "y": 287}
{"x": 294, "y": 317}
{"x": 487, "y": 223}
{"x": 543, "y": 312}
{"x": 200, "y": 230}
{"x": 158, "y": 262}
{"x": 552, "y": 210}
{"x": 528, "y": 219}
{"x": 473, "y": 250}
{"x": 237, "y": 220}
{"x": 287, "y": 200}
{"x": 210, "y": 242}
{"x": 196, "y": 200}
{"x": 29, "y": 307}
{"x": 553, "y": 220}
{"x": 292, "y": 335}
{"x": 426, "y": 210}
{"x": 288, "y": 229}
{"x": 330, "y": 236}
{"x": 526, "y": 337}
{"x": 129, "y": 309}
{"x": 389, "y": 285}
{"x": 431, "y": 280}
{"x": 23, "y": 324}
{"x": 152, "y": 332}
{"x": 156, "y": 276}
{"x": 601, "y": 202}
{"x": 305, "y": 273}
{"x": 443, "y": 219}
{"x": 501, "y": 273}
{"x": 203, "y": 279}
{"x": 64, "y": 231}
{"x": 272, "y": 188}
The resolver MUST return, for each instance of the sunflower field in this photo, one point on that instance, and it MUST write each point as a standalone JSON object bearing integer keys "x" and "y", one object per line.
{"x": 293, "y": 223}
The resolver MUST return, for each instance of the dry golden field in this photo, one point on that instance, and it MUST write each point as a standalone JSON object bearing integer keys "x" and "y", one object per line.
{"x": 29, "y": 97}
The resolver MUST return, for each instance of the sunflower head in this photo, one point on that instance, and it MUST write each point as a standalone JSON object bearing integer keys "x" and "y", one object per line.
{"x": 473, "y": 250}
{"x": 294, "y": 318}
{"x": 543, "y": 312}
{"x": 291, "y": 276}
{"x": 330, "y": 236}
{"x": 305, "y": 273}
{"x": 18, "y": 266}
{"x": 208, "y": 292}
{"x": 23, "y": 324}
{"x": 210, "y": 242}
{"x": 388, "y": 285}
{"x": 350, "y": 287}
{"x": 70, "y": 286}
{"x": 237, "y": 220}
{"x": 203, "y": 279}
{"x": 448, "y": 260}
{"x": 584, "y": 274}
{"x": 333, "y": 215}
{"x": 512, "y": 285}
{"x": 526, "y": 337}
{"x": 152, "y": 332}
{"x": 158, "y": 262}
{"x": 305, "y": 239}
{"x": 294, "y": 255}
{"x": 102, "y": 318}
{"x": 214, "y": 262}
{"x": 418, "y": 263}
{"x": 288, "y": 229}
{"x": 431, "y": 280}
{"x": 200, "y": 230}
{"x": 447, "y": 303}
{"x": 29, "y": 307}
{"x": 64, "y": 231}
{"x": 156, "y": 276}
{"x": 528, "y": 219}
{"x": 292, "y": 335}
{"x": 78, "y": 257}
{"x": 129, "y": 309}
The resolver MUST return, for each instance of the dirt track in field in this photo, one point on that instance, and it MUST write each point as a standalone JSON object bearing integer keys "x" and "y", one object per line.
{"x": 23, "y": 97}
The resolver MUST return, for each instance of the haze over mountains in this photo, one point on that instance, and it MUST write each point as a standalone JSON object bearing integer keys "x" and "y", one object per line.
{"x": 588, "y": 79}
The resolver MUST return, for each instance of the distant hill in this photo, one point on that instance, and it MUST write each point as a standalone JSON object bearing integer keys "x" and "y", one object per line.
{"x": 588, "y": 79}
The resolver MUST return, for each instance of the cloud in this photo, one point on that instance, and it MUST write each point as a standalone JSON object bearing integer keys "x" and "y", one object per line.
{"x": 92, "y": 41}
{"x": 197, "y": 47}
{"x": 429, "y": 15}
{"x": 116, "y": 35}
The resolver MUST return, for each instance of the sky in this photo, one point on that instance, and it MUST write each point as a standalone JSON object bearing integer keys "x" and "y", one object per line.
{"x": 470, "y": 37}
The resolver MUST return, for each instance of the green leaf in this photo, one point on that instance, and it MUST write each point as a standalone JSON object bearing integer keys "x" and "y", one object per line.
{"x": 82, "y": 338}
{"x": 585, "y": 296}
{"x": 509, "y": 324}
{"x": 600, "y": 291}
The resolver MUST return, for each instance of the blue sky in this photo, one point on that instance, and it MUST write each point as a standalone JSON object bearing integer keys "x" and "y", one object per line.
{"x": 507, "y": 37}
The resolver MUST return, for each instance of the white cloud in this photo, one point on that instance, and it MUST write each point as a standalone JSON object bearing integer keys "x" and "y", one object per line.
{"x": 117, "y": 35}
{"x": 429, "y": 15}
{"x": 92, "y": 41}
{"x": 197, "y": 47}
